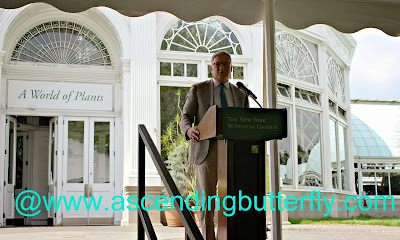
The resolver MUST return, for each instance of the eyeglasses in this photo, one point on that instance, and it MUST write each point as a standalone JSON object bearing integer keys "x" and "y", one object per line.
{"x": 220, "y": 64}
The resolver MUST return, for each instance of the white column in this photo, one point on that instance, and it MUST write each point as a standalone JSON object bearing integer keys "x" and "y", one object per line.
{"x": 349, "y": 137}
{"x": 256, "y": 81}
{"x": 144, "y": 90}
{"x": 123, "y": 136}
{"x": 123, "y": 101}
{"x": 2, "y": 138}
{"x": 326, "y": 150}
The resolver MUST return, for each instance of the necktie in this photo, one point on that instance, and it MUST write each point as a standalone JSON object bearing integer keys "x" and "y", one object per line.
{"x": 224, "y": 103}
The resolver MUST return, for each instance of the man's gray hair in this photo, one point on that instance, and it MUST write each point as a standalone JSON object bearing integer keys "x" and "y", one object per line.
{"x": 222, "y": 52}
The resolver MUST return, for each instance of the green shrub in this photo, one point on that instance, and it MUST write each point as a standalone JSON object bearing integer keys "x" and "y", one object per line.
{"x": 176, "y": 149}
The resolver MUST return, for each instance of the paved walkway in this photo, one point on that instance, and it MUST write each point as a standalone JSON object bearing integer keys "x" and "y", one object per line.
{"x": 306, "y": 232}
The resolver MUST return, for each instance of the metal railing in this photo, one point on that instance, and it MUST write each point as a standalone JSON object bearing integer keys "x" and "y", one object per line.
{"x": 144, "y": 223}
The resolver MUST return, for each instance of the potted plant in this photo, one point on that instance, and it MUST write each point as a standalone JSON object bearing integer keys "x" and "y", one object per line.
{"x": 176, "y": 166}
{"x": 175, "y": 149}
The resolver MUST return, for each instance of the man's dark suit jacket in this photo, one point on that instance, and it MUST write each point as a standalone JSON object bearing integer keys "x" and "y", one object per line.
{"x": 198, "y": 100}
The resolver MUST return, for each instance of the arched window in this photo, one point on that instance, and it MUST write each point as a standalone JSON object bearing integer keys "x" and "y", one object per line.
{"x": 293, "y": 59}
{"x": 61, "y": 42}
{"x": 336, "y": 79}
{"x": 184, "y": 58}
{"x": 207, "y": 36}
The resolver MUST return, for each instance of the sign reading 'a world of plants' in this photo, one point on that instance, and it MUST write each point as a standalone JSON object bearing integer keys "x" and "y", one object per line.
{"x": 59, "y": 95}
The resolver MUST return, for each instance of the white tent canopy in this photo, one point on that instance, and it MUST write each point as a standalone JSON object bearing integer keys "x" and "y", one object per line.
{"x": 344, "y": 15}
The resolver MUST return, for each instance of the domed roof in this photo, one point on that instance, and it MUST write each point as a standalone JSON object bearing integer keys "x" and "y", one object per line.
{"x": 366, "y": 142}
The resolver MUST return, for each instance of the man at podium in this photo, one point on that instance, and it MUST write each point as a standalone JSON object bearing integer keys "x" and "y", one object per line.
{"x": 217, "y": 91}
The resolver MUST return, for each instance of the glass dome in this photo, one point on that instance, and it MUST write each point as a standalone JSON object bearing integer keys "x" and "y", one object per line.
{"x": 366, "y": 142}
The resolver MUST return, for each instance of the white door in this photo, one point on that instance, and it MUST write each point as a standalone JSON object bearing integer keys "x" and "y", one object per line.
{"x": 10, "y": 165}
{"x": 88, "y": 169}
{"x": 101, "y": 169}
{"x": 75, "y": 166}
{"x": 52, "y": 163}
{"x": 22, "y": 170}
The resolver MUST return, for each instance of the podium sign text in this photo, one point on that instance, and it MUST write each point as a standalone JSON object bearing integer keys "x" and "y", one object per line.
{"x": 253, "y": 123}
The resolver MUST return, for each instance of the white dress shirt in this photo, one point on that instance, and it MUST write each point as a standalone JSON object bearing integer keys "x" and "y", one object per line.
{"x": 228, "y": 93}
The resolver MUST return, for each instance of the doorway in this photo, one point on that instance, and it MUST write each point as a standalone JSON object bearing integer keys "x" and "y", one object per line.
{"x": 59, "y": 156}
{"x": 26, "y": 167}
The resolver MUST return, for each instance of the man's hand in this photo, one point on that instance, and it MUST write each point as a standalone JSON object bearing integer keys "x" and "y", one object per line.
{"x": 194, "y": 134}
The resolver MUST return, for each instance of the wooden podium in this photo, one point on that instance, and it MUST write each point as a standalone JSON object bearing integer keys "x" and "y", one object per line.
{"x": 241, "y": 135}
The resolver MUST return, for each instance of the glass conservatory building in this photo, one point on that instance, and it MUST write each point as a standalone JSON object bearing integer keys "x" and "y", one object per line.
{"x": 376, "y": 170}
{"x": 74, "y": 88}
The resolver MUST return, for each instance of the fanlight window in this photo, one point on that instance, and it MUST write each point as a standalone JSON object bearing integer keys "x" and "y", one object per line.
{"x": 61, "y": 42}
{"x": 294, "y": 60}
{"x": 336, "y": 80}
{"x": 208, "y": 36}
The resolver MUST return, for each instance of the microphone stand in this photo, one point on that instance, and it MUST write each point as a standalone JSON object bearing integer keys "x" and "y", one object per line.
{"x": 251, "y": 96}
{"x": 248, "y": 92}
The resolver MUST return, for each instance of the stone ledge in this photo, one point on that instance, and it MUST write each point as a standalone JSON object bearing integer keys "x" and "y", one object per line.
{"x": 153, "y": 191}
{"x": 134, "y": 189}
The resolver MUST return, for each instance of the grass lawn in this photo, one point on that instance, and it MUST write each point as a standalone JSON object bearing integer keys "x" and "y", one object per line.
{"x": 361, "y": 220}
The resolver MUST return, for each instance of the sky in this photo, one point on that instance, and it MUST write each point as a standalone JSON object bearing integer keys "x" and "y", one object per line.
{"x": 375, "y": 69}
{"x": 375, "y": 74}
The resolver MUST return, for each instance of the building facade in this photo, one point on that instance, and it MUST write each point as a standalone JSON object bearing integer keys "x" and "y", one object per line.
{"x": 74, "y": 88}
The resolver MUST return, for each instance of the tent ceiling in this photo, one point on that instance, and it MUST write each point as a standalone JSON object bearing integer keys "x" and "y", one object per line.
{"x": 344, "y": 15}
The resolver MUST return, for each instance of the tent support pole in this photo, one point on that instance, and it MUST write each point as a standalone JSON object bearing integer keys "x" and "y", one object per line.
{"x": 269, "y": 84}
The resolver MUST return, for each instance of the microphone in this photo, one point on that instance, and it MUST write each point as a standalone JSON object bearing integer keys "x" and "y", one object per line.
{"x": 246, "y": 90}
